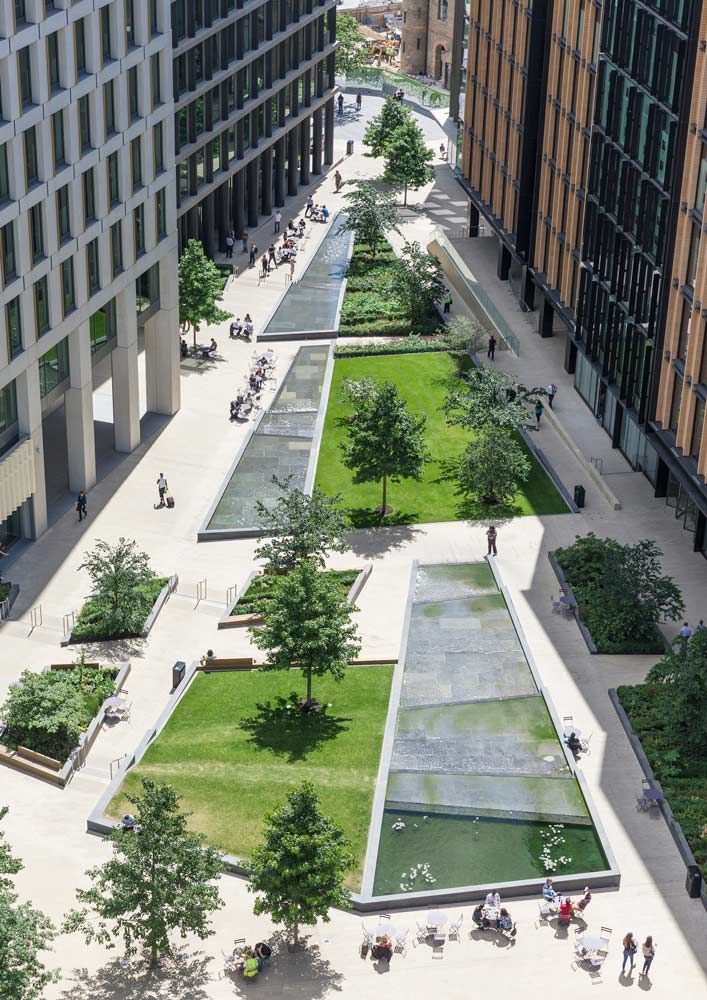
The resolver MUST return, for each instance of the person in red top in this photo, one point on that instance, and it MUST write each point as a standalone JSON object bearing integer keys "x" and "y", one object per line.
{"x": 565, "y": 910}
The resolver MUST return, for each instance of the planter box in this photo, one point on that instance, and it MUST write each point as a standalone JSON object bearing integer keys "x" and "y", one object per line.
{"x": 229, "y": 620}
{"x": 39, "y": 765}
{"x": 160, "y": 601}
{"x": 6, "y": 605}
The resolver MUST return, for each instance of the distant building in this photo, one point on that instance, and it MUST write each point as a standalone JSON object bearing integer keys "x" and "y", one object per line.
{"x": 432, "y": 43}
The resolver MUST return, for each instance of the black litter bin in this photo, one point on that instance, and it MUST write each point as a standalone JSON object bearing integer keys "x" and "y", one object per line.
{"x": 579, "y": 495}
{"x": 693, "y": 882}
{"x": 349, "y": 147}
{"x": 178, "y": 673}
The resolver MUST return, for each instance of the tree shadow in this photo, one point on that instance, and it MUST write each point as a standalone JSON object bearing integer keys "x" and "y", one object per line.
{"x": 303, "y": 973}
{"x": 367, "y": 517}
{"x": 176, "y": 977}
{"x": 470, "y": 508}
{"x": 280, "y": 727}
{"x": 110, "y": 651}
{"x": 378, "y": 541}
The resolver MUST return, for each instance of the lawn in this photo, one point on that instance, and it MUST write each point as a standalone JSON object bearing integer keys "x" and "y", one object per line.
{"x": 422, "y": 380}
{"x": 257, "y": 597}
{"x": 233, "y": 750}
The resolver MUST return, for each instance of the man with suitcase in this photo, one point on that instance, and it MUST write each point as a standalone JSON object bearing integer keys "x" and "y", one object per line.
{"x": 161, "y": 488}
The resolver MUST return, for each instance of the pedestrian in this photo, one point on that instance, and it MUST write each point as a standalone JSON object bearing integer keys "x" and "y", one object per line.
{"x": 161, "y": 487}
{"x": 325, "y": 213}
{"x": 492, "y": 347}
{"x": 442, "y": 151}
{"x": 337, "y": 181}
{"x": 551, "y": 393}
{"x": 271, "y": 256}
{"x": 700, "y": 626}
{"x": 229, "y": 246}
{"x": 341, "y": 104}
{"x": 81, "y": 505}
{"x": 630, "y": 949}
{"x": 685, "y": 632}
{"x": 264, "y": 269}
{"x": 447, "y": 301}
{"x": 538, "y": 412}
{"x": 278, "y": 220}
{"x": 292, "y": 267}
{"x": 253, "y": 255}
{"x": 648, "y": 955}
{"x": 358, "y": 101}
{"x": 310, "y": 206}
{"x": 491, "y": 536}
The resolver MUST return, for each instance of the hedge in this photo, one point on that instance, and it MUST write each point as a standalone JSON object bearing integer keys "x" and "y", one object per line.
{"x": 90, "y": 621}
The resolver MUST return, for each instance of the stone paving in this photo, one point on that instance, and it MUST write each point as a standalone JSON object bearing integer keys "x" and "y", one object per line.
{"x": 195, "y": 450}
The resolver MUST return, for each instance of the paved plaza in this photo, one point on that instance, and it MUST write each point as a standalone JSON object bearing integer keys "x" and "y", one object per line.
{"x": 47, "y": 826}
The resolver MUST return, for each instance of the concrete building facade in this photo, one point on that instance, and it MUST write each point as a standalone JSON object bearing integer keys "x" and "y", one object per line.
{"x": 87, "y": 239}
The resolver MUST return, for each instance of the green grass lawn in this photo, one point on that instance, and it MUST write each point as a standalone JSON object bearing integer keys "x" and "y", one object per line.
{"x": 422, "y": 380}
{"x": 233, "y": 750}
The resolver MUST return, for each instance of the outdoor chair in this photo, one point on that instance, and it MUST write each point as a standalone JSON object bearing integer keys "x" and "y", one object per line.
{"x": 605, "y": 937}
{"x": 454, "y": 928}
{"x": 584, "y": 743}
{"x": 401, "y": 942}
{"x": 422, "y": 932}
{"x": 367, "y": 936}
{"x": 384, "y": 916}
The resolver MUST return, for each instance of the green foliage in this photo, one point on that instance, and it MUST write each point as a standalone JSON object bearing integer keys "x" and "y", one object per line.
{"x": 407, "y": 158}
{"x": 200, "y": 289}
{"x": 490, "y": 397}
{"x": 418, "y": 282}
{"x": 298, "y": 872}
{"x": 684, "y": 671}
{"x": 300, "y": 527}
{"x": 48, "y": 712}
{"x": 384, "y": 440}
{"x": 351, "y": 50}
{"x": 120, "y": 575}
{"x": 493, "y": 466}
{"x": 158, "y": 880}
{"x": 621, "y": 592}
{"x": 309, "y": 624}
{"x": 93, "y": 622}
{"x": 410, "y": 345}
{"x": 370, "y": 214}
{"x": 380, "y": 129}
{"x": 24, "y": 934}
{"x": 5, "y": 589}
{"x": 257, "y": 598}
{"x": 464, "y": 335}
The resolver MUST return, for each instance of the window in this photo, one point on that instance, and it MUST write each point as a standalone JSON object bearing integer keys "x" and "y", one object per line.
{"x": 692, "y": 256}
{"x": 139, "y": 230}
{"x": 113, "y": 179}
{"x": 84, "y": 124}
{"x": 684, "y": 335}
{"x": 158, "y": 148}
{"x": 41, "y": 306}
{"x": 116, "y": 247}
{"x": 154, "y": 30}
{"x": 93, "y": 267}
{"x": 54, "y": 367}
{"x": 14, "y": 328}
{"x": 697, "y": 428}
{"x": 58, "y": 139}
{"x": 68, "y": 294}
{"x": 109, "y": 106}
{"x": 155, "y": 80}
{"x": 161, "y": 214}
{"x": 701, "y": 183}
{"x": 20, "y": 12}
{"x": 89, "y": 196}
{"x": 53, "y": 60}
{"x": 101, "y": 326}
{"x": 441, "y": 10}
{"x": 132, "y": 94}
{"x": 676, "y": 400}
{"x": 105, "y": 34}
{"x": 31, "y": 159}
{"x": 9, "y": 261}
{"x": 8, "y": 406}
{"x": 24, "y": 69}
{"x": 36, "y": 233}
{"x": 147, "y": 288}
{"x": 80, "y": 46}
{"x": 62, "y": 211}
{"x": 4, "y": 175}
{"x": 130, "y": 23}
{"x": 136, "y": 162}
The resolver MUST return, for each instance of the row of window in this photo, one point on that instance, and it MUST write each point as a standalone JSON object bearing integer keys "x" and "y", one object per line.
{"x": 698, "y": 419}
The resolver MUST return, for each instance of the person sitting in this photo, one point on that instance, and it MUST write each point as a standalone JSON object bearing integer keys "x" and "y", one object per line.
{"x": 574, "y": 745}
{"x": 325, "y": 213}
{"x": 565, "y": 913}
{"x": 504, "y": 922}
{"x": 235, "y": 328}
{"x": 478, "y": 915}
{"x": 237, "y": 406}
{"x": 248, "y": 328}
{"x": 209, "y": 351}
{"x": 128, "y": 822}
{"x": 549, "y": 893}
{"x": 493, "y": 899}
{"x": 250, "y": 966}
{"x": 383, "y": 948}
{"x": 262, "y": 952}
{"x": 183, "y": 349}
{"x": 579, "y": 907}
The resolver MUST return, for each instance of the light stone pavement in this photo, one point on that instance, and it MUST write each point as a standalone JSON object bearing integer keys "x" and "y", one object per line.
{"x": 47, "y": 827}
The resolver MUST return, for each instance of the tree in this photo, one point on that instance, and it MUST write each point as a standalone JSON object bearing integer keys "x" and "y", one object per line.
{"x": 493, "y": 465}
{"x": 300, "y": 527}
{"x": 351, "y": 47}
{"x": 46, "y": 713}
{"x": 159, "y": 879}
{"x": 309, "y": 625}
{"x": 464, "y": 336}
{"x": 380, "y": 129}
{"x": 385, "y": 441}
{"x": 684, "y": 671}
{"x": 407, "y": 158}
{"x": 24, "y": 934}
{"x": 299, "y": 869}
{"x": 370, "y": 214}
{"x": 489, "y": 396}
{"x": 200, "y": 289}
{"x": 117, "y": 571}
{"x": 418, "y": 282}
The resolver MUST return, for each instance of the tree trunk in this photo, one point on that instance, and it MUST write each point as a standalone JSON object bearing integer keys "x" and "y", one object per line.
{"x": 405, "y": 198}
{"x": 385, "y": 494}
{"x": 309, "y": 684}
{"x": 295, "y": 934}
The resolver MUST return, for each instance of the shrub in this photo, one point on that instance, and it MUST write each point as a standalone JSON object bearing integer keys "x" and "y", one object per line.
{"x": 493, "y": 466}
{"x": 259, "y": 594}
{"x": 409, "y": 345}
{"x": 94, "y": 620}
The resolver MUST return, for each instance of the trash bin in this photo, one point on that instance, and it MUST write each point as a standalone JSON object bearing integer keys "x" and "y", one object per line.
{"x": 693, "y": 882}
{"x": 579, "y": 495}
{"x": 178, "y": 673}
{"x": 349, "y": 147}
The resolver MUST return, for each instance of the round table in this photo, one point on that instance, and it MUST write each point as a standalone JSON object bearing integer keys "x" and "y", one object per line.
{"x": 114, "y": 702}
{"x": 436, "y": 918}
{"x": 568, "y": 730}
{"x": 384, "y": 927}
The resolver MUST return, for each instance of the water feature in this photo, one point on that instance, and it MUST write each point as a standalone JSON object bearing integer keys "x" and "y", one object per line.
{"x": 479, "y": 787}
{"x": 311, "y": 305}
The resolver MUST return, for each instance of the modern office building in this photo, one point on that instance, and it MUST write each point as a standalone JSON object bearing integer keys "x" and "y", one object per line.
{"x": 254, "y": 108}
{"x": 88, "y": 247}
{"x": 584, "y": 149}
{"x": 432, "y": 43}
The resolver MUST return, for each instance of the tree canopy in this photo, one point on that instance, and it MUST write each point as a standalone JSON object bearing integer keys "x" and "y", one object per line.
{"x": 407, "y": 158}
{"x": 418, "y": 282}
{"x": 351, "y": 50}
{"x": 493, "y": 465}
{"x": 464, "y": 335}
{"x": 487, "y": 396}
{"x": 116, "y": 572}
{"x": 300, "y": 527}
{"x": 380, "y": 128}
{"x": 200, "y": 289}
{"x": 684, "y": 670}
{"x": 298, "y": 871}
{"x": 370, "y": 214}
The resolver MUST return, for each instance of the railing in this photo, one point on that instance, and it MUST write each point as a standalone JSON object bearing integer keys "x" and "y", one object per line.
{"x": 35, "y": 618}
{"x": 200, "y": 592}
{"x": 388, "y": 83}
{"x": 231, "y": 596}
{"x": 4, "y": 609}
{"x": 68, "y": 621}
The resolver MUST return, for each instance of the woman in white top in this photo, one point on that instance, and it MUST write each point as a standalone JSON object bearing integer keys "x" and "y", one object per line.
{"x": 648, "y": 954}
{"x": 493, "y": 899}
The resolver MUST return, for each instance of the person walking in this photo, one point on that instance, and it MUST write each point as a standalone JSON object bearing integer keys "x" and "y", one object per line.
{"x": 272, "y": 259}
{"x": 264, "y": 269}
{"x": 337, "y": 181}
{"x": 310, "y": 206}
{"x": 358, "y": 101}
{"x": 229, "y": 246}
{"x": 253, "y": 255}
{"x": 492, "y": 348}
{"x": 244, "y": 239}
{"x": 700, "y": 626}
{"x": 292, "y": 268}
{"x": 341, "y": 104}
{"x": 551, "y": 393}
{"x": 538, "y": 412}
{"x": 81, "y": 505}
{"x": 491, "y": 535}
{"x": 447, "y": 301}
{"x": 649, "y": 947}
{"x": 278, "y": 220}
{"x": 630, "y": 949}
{"x": 161, "y": 487}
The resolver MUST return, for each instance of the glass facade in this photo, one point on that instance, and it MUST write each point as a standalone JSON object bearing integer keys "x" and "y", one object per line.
{"x": 54, "y": 367}
{"x": 102, "y": 326}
